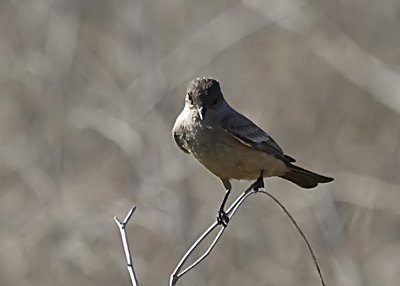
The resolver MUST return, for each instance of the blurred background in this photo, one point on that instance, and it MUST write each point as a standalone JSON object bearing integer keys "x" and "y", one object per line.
{"x": 90, "y": 91}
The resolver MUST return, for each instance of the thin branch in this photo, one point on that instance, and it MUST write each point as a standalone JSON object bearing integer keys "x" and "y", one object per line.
{"x": 301, "y": 233}
{"x": 122, "y": 226}
{"x": 178, "y": 272}
{"x": 205, "y": 254}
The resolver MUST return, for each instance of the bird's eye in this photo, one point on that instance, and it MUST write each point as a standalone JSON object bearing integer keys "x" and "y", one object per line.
{"x": 215, "y": 102}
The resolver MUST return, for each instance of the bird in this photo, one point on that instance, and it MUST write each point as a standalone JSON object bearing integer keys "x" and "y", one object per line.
{"x": 230, "y": 145}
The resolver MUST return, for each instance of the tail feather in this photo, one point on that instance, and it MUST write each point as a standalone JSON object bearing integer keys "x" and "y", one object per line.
{"x": 304, "y": 178}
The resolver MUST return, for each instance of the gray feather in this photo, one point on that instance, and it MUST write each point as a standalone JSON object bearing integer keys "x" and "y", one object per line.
{"x": 248, "y": 133}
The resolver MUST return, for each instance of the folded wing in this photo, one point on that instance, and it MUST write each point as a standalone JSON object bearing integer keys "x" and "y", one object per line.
{"x": 248, "y": 133}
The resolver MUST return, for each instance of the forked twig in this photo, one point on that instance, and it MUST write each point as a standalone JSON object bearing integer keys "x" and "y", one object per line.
{"x": 122, "y": 226}
{"x": 178, "y": 272}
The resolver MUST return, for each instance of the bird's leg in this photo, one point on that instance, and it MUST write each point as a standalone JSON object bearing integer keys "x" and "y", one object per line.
{"x": 222, "y": 217}
{"x": 259, "y": 184}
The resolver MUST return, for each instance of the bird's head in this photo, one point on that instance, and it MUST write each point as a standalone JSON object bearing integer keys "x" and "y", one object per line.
{"x": 204, "y": 94}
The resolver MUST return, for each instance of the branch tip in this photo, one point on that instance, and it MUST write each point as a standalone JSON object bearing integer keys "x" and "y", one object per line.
{"x": 116, "y": 220}
{"x": 128, "y": 216}
{"x": 125, "y": 245}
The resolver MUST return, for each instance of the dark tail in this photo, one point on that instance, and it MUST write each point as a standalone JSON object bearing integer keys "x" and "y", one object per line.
{"x": 304, "y": 178}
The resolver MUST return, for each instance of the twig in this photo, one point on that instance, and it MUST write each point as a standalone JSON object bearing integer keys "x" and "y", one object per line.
{"x": 127, "y": 251}
{"x": 178, "y": 272}
{"x": 301, "y": 233}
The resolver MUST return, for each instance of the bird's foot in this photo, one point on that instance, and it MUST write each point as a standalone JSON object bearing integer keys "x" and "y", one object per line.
{"x": 222, "y": 218}
{"x": 259, "y": 184}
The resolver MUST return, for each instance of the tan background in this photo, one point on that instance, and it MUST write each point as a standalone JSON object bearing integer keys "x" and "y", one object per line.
{"x": 90, "y": 91}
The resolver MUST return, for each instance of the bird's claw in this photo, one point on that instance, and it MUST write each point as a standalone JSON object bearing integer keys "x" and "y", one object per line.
{"x": 222, "y": 218}
{"x": 259, "y": 184}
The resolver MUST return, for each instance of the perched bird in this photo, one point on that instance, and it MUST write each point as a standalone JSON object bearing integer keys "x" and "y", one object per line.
{"x": 229, "y": 145}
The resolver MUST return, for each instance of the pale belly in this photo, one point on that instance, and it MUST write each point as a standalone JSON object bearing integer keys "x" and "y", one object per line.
{"x": 228, "y": 158}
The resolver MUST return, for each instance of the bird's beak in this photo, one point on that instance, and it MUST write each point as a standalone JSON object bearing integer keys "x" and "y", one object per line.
{"x": 202, "y": 112}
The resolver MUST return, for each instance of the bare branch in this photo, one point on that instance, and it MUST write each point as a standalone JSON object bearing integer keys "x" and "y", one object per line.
{"x": 300, "y": 231}
{"x": 127, "y": 251}
{"x": 178, "y": 272}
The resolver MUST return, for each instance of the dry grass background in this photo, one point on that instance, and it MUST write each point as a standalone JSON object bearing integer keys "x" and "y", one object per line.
{"x": 90, "y": 91}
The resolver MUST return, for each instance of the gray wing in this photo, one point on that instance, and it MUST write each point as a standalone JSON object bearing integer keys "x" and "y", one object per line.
{"x": 179, "y": 142}
{"x": 251, "y": 135}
